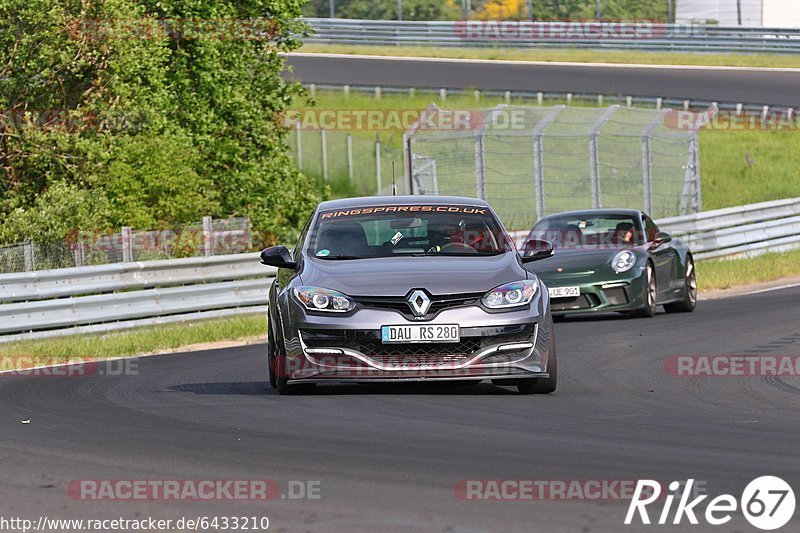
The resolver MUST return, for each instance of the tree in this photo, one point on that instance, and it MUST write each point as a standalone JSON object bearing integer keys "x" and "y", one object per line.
{"x": 156, "y": 116}
{"x": 386, "y": 9}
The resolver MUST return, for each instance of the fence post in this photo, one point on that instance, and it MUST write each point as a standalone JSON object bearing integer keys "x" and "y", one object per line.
{"x": 298, "y": 129}
{"x": 29, "y": 257}
{"x": 378, "y": 161}
{"x": 208, "y": 237}
{"x": 698, "y": 190}
{"x": 324, "y": 140}
{"x": 127, "y": 244}
{"x": 480, "y": 167}
{"x": 407, "y": 163}
{"x": 79, "y": 253}
{"x": 538, "y": 167}
{"x": 594, "y": 156}
{"x": 647, "y": 162}
{"x": 350, "y": 156}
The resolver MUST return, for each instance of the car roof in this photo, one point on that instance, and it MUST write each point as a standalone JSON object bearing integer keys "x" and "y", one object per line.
{"x": 370, "y": 201}
{"x": 595, "y": 212}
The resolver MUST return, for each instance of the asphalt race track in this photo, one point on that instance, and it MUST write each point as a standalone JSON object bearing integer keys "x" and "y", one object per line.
{"x": 709, "y": 84}
{"x": 388, "y": 460}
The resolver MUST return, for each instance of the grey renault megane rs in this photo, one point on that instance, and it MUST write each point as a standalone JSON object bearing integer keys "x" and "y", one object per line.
{"x": 408, "y": 288}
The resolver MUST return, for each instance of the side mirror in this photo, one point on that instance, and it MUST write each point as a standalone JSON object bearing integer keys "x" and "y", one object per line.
{"x": 278, "y": 256}
{"x": 661, "y": 238}
{"x": 536, "y": 250}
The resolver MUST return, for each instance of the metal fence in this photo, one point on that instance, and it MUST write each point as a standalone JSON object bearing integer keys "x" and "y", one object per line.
{"x": 211, "y": 237}
{"x": 362, "y": 159}
{"x": 733, "y": 232}
{"x": 97, "y": 299}
{"x": 532, "y": 161}
{"x": 555, "y": 34}
{"x": 744, "y": 231}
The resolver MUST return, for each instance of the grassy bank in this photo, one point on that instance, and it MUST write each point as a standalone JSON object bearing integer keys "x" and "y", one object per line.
{"x": 712, "y": 275}
{"x": 724, "y": 274}
{"x": 136, "y": 342}
{"x": 737, "y": 167}
{"x": 568, "y": 56}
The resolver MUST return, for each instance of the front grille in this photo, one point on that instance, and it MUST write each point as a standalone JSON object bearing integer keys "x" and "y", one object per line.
{"x": 584, "y": 301}
{"x": 376, "y": 349}
{"x": 400, "y": 303}
{"x": 368, "y": 343}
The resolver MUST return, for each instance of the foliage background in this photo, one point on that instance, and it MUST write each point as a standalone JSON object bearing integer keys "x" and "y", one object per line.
{"x": 490, "y": 9}
{"x": 102, "y": 126}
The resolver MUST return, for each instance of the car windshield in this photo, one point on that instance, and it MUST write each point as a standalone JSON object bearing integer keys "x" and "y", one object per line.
{"x": 589, "y": 232}
{"x": 408, "y": 230}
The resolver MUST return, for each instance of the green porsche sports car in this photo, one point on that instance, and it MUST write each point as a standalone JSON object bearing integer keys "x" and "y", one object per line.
{"x": 613, "y": 260}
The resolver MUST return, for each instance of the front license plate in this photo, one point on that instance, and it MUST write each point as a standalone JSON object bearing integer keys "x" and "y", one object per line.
{"x": 564, "y": 292}
{"x": 420, "y": 334}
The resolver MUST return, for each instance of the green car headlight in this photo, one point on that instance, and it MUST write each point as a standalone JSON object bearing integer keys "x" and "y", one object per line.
{"x": 623, "y": 261}
{"x": 318, "y": 299}
{"x": 514, "y": 294}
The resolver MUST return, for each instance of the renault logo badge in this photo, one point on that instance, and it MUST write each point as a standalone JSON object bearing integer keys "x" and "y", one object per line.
{"x": 419, "y": 302}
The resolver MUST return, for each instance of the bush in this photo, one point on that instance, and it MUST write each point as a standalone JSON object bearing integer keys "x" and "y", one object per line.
{"x": 104, "y": 128}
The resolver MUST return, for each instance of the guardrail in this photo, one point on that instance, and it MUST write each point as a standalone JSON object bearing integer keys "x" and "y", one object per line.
{"x": 555, "y": 34}
{"x": 746, "y": 231}
{"x": 114, "y": 297}
{"x": 126, "y": 295}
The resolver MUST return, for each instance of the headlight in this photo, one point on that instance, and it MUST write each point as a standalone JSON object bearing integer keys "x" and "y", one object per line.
{"x": 514, "y": 294}
{"x": 317, "y": 299}
{"x": 623, "y": 261}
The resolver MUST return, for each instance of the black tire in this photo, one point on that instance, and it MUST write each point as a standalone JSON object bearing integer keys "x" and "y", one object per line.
{"x": 542, "y": 385}
{"x": 277, "y": 369}
{"x": 689, "y": 302}
{"x": 650, "y": 294}
{"x": 271, "y": 354}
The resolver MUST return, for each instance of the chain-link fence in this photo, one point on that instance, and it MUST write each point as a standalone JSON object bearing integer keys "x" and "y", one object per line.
{"x": 355, "y": 163}
{"x": 529, "y": 162}
{"x": 211, "y": 237}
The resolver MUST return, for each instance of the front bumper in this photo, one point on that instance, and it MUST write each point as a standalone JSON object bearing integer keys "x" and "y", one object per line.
{"x": 509, "y": 345}
{"x": 600, "y": 294}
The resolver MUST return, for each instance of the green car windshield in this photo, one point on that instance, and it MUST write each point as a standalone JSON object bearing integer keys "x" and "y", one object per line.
{"x": 589, "y": 232}
{"x": 408, "y": 230}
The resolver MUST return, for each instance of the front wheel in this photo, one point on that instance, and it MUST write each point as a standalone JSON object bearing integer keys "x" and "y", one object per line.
{"x": 650, "y": 294}
{"x": 282, "y": 380}
{"x": 542, "y": 385}
{"x": 689, "y": 302}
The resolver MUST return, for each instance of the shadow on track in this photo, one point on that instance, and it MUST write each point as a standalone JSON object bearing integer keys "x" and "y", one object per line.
{"x": 259, "y": 388}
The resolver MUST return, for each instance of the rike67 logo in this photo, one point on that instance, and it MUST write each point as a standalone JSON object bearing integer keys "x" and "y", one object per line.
{"x": 767, "y": 502}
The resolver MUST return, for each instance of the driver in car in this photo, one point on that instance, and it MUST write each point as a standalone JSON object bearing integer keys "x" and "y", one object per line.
{"x": 624, "y": 233}
{"x": 442, "y": 235}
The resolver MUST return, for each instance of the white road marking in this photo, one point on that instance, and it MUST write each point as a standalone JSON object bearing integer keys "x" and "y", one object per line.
{"x": 540, "y": 63}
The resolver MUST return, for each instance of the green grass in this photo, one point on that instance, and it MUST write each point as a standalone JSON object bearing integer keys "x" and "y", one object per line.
{"x": 745, "y": 167}
{"x": 571, "y": 56}
{"x": 135, "y": 342}
{"x": 737, "y": 167}
{"x": 716, "y": 274}
{"x": 727, "y": 273}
